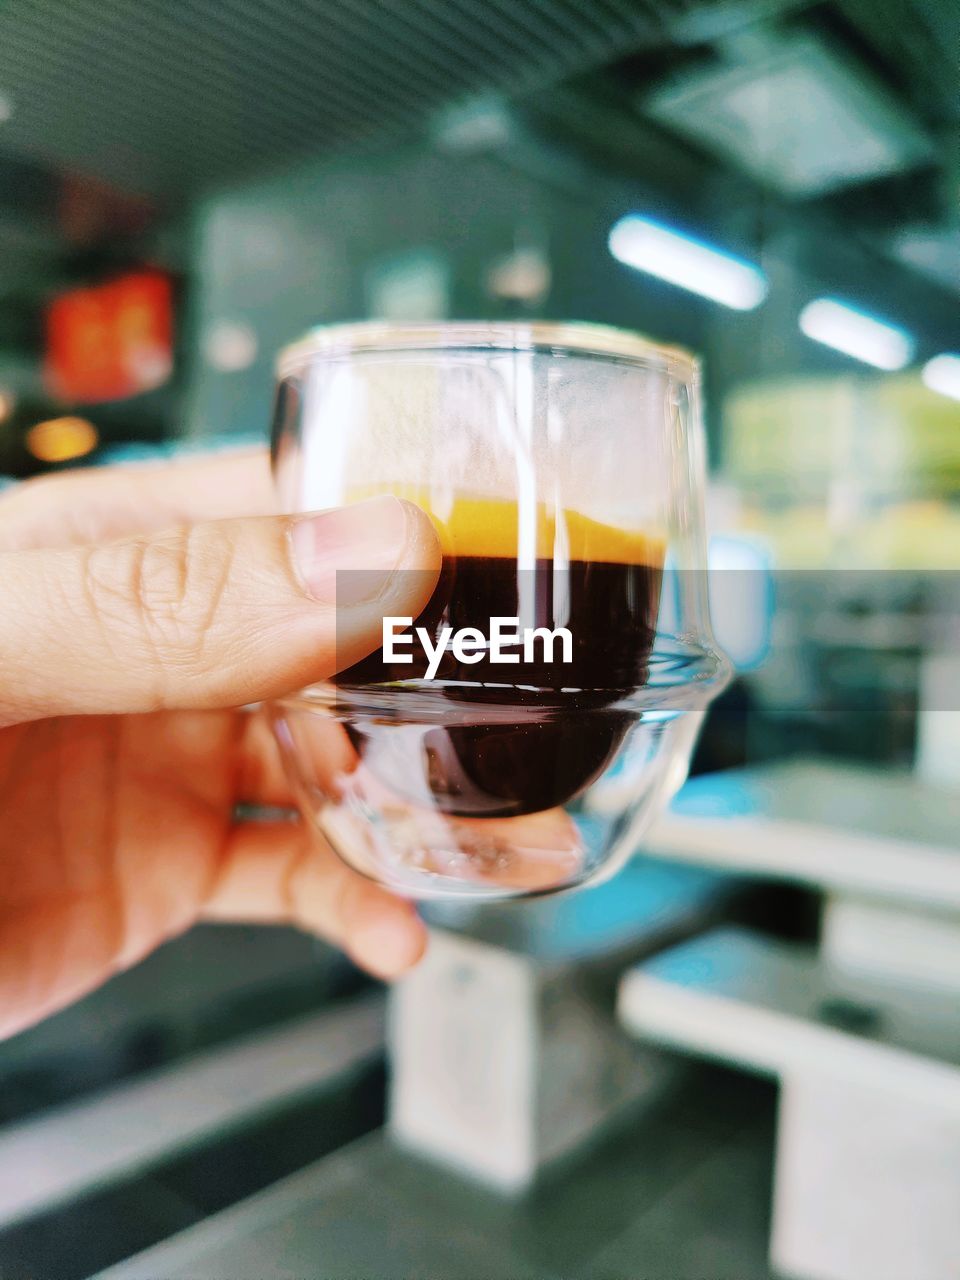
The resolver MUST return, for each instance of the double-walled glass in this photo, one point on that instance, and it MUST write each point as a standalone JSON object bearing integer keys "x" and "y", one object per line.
{"x": 518, "y": 736}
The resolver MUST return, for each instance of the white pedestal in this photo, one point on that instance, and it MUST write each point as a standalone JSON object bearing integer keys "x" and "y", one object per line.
{"x": 865, "y": 1036}
{"x": 867, "y": 1185}
{"x": 499, "y": 1068}
{"x": 506, "y": 1051}
{"x": 867, "y": 1180}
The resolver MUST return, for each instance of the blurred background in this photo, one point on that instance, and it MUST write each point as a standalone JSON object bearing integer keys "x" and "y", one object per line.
{"x": 184, "y": 188}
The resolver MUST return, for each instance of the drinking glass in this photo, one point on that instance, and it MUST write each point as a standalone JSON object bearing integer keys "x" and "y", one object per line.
{"x": 562, "y": 466}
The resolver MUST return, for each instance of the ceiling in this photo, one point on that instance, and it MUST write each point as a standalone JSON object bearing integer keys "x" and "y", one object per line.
{"x": 115, "y": 111}
{"x": 917, "y": 42}
{"x": 161, "y": 98}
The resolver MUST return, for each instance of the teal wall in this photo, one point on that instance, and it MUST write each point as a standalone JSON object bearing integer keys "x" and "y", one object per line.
{"x": 298, "y": 249}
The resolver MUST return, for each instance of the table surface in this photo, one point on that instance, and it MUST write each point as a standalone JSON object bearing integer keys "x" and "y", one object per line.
{"x": 682, "y": 1193}
{"x": 776, "y": 1006}
{"x": 876, "y": 832}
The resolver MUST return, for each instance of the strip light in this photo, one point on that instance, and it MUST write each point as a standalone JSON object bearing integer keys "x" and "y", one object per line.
{"x": 857, "y": 334}
{"x": 691, "y": 264}
{"x": 942, "y": 374}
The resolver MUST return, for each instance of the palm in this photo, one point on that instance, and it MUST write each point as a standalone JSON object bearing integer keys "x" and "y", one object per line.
{"x": 115, "y": 830}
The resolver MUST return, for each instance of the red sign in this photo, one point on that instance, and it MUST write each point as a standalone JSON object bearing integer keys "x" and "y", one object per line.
{"x": 111, "y": 341}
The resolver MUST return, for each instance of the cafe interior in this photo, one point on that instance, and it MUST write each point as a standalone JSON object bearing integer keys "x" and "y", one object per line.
{"x": 738, "y": 1058}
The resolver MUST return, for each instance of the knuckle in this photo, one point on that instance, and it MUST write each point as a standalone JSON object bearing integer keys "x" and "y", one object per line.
{"x": 162, "y": 593}
{"x": 180, "y": 580}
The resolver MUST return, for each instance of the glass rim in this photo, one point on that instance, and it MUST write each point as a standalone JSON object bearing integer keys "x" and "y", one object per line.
{"x": 561, "y": 337}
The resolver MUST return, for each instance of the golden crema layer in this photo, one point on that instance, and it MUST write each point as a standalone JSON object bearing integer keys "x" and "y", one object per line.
{"x": 476, "y": 526}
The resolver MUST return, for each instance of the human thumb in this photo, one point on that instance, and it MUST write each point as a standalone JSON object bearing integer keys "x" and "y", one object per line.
{"x": 207, "y": 615}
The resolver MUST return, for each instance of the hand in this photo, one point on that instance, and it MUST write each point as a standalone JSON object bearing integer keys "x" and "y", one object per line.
{"x": 138, "y": 610}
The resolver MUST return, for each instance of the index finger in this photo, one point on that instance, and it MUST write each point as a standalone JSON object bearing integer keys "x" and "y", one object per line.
{"x": 99, "y": 504}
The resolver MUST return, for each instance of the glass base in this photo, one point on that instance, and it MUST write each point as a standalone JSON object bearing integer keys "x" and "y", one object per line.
{"x": 409, "y": 840}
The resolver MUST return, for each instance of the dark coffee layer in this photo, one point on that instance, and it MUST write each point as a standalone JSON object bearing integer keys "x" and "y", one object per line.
{"x": 563, "y": 735}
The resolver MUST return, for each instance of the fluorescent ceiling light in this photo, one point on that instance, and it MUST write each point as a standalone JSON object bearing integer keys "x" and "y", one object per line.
{"x": 942, "y": 374}
{"x": 856, "y": 334}
{"x": 682, "y": 260}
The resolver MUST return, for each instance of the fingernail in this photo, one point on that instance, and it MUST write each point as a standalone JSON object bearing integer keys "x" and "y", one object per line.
{"x": 362, "y": 543}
